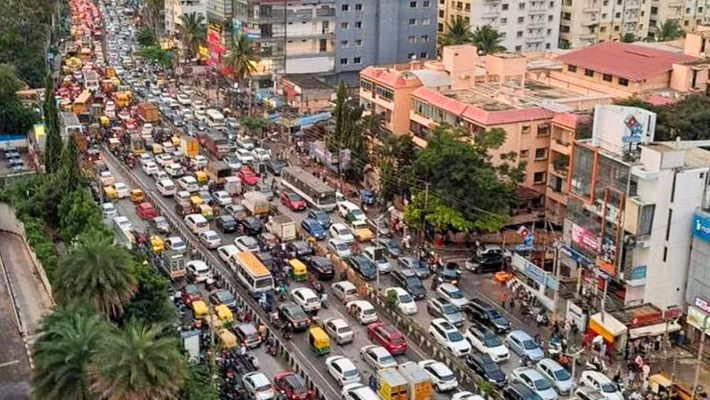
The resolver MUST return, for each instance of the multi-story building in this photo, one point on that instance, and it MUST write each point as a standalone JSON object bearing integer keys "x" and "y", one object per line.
{"x": 690, "y": 15}
{"x": 588, "y": 22}
{"x": 526, "y": 25}
{"x": 174, "y": 9}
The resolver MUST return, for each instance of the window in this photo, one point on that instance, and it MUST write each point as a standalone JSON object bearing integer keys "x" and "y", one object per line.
{"x": 384, "y": 93}
{"x": 426, "y": 4}
{"x": 467, "y": 7}
{"x": 606, "y": 77}
{"x": 357, "y": 60}
{"x": 521, "y": 6}
{"x": 358, "y": 42}
{"x": 602, "y": 29}
{"x": 441, "y": 13}
{"x": 589, "y": 72}
{"x": 524, "y": 153}
{"x": 412, "y": 21}
{"x": 343, "y": 61}
{"x": 623, "y": 82}
{"x": 519, "y": 34}
{"x": 412, "y": 4}
{"x": 345, "y": 7}
{"x": 606, "y": 3}
{"x": 344, "y": 25}
{"x": 365, "y": 85}
{"x": 686, "y": 22}
{"x": 503, "y": 21}
{"x": 518, "y": 48}
{"x": 539, "y": 178}
{"x": 425, "y": 38}
{"x": 525, "y": 129}
{"x": 550, "y": 18}
{"x": 411, "y": 56}
{"x": 358, "y": 25}
{"x": 358, "y": 7}
{"x": 543, "y": 129}
{"x": 616, "y": 28}
{"x": 687, "y": 10}
{"x": 440, "y": 27}
{"x": 423, "y": 55}
{"x": 505, "y": 7}
{"x": 521, "y": 20}
{"x": 412, "y": 39}
{"x": 541, "y": 154}
{"x": 700, "y": 9}
{"x": 617, "y": 15}
{"x": 425, "y": 21}
{"x": 344, "y": 43}
{"x": 665, "y": 253}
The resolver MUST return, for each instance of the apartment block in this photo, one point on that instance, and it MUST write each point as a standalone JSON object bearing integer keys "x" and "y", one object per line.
{"x": 690, "y": 15}
{"x": 174, "y": 9}
{"x": 588, "y": 22}
{"x": 526, "y": 25}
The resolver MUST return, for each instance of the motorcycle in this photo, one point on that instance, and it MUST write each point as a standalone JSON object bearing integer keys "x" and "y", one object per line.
{"x": 596, "y": 364}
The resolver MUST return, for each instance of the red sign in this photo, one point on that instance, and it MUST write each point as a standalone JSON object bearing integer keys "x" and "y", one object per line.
{"x": 217, "y": 50}
{"x": 672, "y": 312}
{"x": 585, "y": 239}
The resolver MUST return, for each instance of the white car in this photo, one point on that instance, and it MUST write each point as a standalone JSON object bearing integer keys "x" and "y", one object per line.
{"x": 145, "y": 157}
{"x": 159, "y": 175}
{"x": 441, "y": 376}
{"x": 245, "y": 142}
{"x": 377, "y": 256}
{"x": 109, "y": 210}
{"x": 306, "y": 298}
{"x": 487, "y": 342}
{"x": 261, "y": 154}
{"x": 535, "y": 382}
{"x": 347, "y": 207}
{"x": 123, "y": 223}
{"x": 405, "y": 301}
{"x": 189, "y": 183}
{"x": 453, "y": 294}
{"x": 377, "y": 357}
{"x": 150, "y": 167}
{"x": 210, "y": 239}
{"x": 121, "y": 190}
{"x": 222, "y": 198}
{"x": 339, "y": 330}
{"x": 107, "y": 178}
{"x": 244, "y": 156}
{"x": 247, "y": 243}
{"x": 340, "y": 247}
{"x": 258, "y": 386}
{"x": 558, "y": 375}
{"x": 343, "y": 370}
{"x": 163, "y": 159}
{"x": 226, "y": 251}
{"x": 602, "y": 382}
{"x": 200, "y": 114}
{"x": 447, "y": 335}
{"x": 174, "y": 170}
{"x": 199, "y": 161}
{"x": 358, "y": 391}
{"x": 175, "y": 243}
{"x": 466, "y": 396}
{"x": 362, "y": 311}
{"x": 341, "y": 232}
{"x": 198, "y": 270}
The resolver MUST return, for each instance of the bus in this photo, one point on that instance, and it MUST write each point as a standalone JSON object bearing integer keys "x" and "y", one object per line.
{"x": 251, "y": 273}
{"x": 215, "y": 119}
{"x": 316, "y": 192}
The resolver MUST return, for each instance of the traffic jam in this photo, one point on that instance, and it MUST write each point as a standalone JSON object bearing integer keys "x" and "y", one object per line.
{"x": 158, "y": 150}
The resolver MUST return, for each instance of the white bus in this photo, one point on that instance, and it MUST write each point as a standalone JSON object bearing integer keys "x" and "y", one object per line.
{"x": 251, "y": 273}
{"x": 215, "y": 119}
{"x": 316, "y": 192}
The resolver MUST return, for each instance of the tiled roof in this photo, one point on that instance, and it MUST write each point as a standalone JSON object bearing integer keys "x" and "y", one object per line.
{"x": 626, "y": 60}
{"x": 570, "y": 120}
{"x": 385, "y": 76}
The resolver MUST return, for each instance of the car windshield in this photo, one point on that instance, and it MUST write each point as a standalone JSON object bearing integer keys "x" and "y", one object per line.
{"x": 448, "y": 309}
{"x": 494, "y": 314}
{"x": 345, "y": 330}
{"x": 457, "y": 294}
{"x": 492, "y": 341}
{"x": 609, "y": 387}
{"x": 529, "y": 345}
{"x": 491, "y": 367}
{"x": 296, "y": 312}
{"x": 561, "y": 375}
{"x": 341, "y": 246}
{"x": 447, "y": 377}
{"x": 264, "y": 387}
{"x": 225, "y": 297}
{"x": 542, "y": 384}
{"x": 405, "y": 298}
{"x": 455, "y": 336}
{"x": 414, "y": 283}
{"x": 350, "y": 373}
{"x": 388, "y": 359}
{"x": 343, "y": 231}
{"x": 368, "y": 311}
{"x": 294, "y": 197}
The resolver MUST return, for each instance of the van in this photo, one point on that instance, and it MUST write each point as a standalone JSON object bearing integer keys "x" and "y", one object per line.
{"x": 247, "y": 334}
{"x": 166, "y": 187}
{"x": 354, "y": 211}
{"x": 197, "y": 223}
{"x": 344, "y": 291}
{"x": 362, "y": 311}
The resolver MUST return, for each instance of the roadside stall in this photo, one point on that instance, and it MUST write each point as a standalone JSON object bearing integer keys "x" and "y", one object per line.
{"x": 614, "y": 333}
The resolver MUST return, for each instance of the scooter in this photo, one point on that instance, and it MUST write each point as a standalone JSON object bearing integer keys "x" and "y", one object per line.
{"x": 596, "y": 364}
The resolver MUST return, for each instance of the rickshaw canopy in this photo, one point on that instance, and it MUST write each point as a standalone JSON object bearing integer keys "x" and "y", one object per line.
{"x": 196, "y": 201}
{"x": 297, "y": 266}
{"x": 206, "y": 211}
{"x": 200, "y": 309}
{"x": 224, "y": 313}
{"x": 227, "y": 339}
{"x": 156, "y": 243}
{"x": 136, "y": 195}
{"x": 201, "y": 177}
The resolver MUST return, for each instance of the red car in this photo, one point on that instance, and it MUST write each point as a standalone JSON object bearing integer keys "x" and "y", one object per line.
{"x": 146, "y": 211}
{"x": 292, "y": 386}
{"x": 191, "y": 293}
{"x": 248, "y": 176}
{"x": 293, "y": 201}
{"x": 388, "y": 337}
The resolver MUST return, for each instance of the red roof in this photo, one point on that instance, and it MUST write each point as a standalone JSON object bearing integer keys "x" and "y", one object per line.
{"x": 657, "y": 100}
{"x": 384, "y": 76}
{"x": 626, "y": 60}
{"x": 570, "y": 120}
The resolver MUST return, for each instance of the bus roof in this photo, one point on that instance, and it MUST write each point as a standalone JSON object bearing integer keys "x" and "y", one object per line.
{"x": 308, "y": 179}
{"x": 255, "y": 267}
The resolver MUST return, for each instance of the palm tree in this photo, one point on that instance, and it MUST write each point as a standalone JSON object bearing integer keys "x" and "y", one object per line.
{"x": 241, "y": 59}
{"x": 97, "y": 273}
{"x": 487, "y": 40}
{"x": 374, "y": 125}
{"x": 669, "y": 30}
{"x": 62, "y": 354}
{"x": 138, "y": 363}
{"x": 192, "y": 32}
{"x": 456, "y": 32}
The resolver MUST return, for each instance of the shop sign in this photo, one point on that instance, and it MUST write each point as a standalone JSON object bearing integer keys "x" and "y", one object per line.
{"x": 696, "y": 318}
{"x": 702, "y": 305}
{"x": 638, "y": 273}
{"x": 701, "y": 226}
{"x": 585, "y": 239}
{"x": 530, "y": 270}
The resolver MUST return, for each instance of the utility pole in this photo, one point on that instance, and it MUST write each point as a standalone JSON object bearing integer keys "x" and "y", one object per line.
{"x": 606, "y": 287}
{"x": 699, "y": 360}
{"x": 426, "y": 206}
{"x": 556, "y": 273}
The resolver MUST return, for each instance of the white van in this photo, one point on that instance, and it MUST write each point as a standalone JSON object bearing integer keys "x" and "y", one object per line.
{"x": 344, "y": 291}
{"x": 362, "y": 311}
{"x": 197, "y": 223}
{"x": 347, "y": 207}
{"x": 174, "y": 170}
{"x": 166, "y": 187}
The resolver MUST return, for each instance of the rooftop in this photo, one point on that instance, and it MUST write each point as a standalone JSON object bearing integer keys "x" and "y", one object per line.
{"x": 630, "y": 61}
{"x": 308, "y": 81}
{"x": 400, "y": 75}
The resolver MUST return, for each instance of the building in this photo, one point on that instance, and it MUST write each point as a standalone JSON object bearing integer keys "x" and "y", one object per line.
{"x": 306, "y": 93}
{"x": 690, "y": 15}
{"x": 174, "y": 9}
{"x": 526, "y": 26}
{"x": 589, "y": 22}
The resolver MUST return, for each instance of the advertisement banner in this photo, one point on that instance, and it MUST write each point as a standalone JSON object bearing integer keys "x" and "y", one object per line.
{"x": 702, "y": 305}
{"x": 620, "y": 129}
{"x": 697, "y": 318}
{"x": 529, "y": 269}
{"x": 701, "y": 226}
{"x": 585, "y": 239}
{"x": 215, "y": 46}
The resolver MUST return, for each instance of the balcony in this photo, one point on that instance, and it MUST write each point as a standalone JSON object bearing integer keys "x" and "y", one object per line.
{"x": 590, "y": 22}
{"x": 490, "y": 15}
{"x": 535, "y": 39}
{"x": 557, "y": 197}
{"x": 325, "y": 13}
{"x": 560, "y": 146}
{"x": 588, "y": 36}
{"x": 537, "y": 10}
{"x": 539, "y": 22}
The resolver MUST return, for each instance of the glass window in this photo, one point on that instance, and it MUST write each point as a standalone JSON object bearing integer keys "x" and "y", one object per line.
{"x": 589, "y": 72}
{"x": 572, "y": 68}
{"x": 358, "y": 7}
{"x": 623, "y": 82}
{"x": 385, "y": 93}
{"x": 345, "y": 7}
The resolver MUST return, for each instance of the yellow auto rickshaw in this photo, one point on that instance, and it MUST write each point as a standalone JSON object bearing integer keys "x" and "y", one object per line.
{"x": 175, "y": 140}
{"x": 224, "y": 314}
{"x": 299, "y": 272}
{"x": 156, "y": 243}
{"x": 105, "y": 121}
{"x": 136, "y": 196}
{"x": 227, "y": 339}
{"x": 200, "y": 311}
{"x": 111, "y": 193}
{"x": 319, "y": 340}
{"x": 201, "y": 177}
{"x": 157, "y": 148}
{"x": 196, "y": 201}
{"x": 206, "y": 211}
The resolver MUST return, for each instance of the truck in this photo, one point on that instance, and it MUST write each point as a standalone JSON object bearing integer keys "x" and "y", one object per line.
{"x": 233, "y": 185}
{"x": 189, "y": 146}
{"x": 216, "y": 144}
{"x": 391, "y": 385}
{"x": 283, "y": 227}
{"x": 172, "y": 263}
{"x": 255, "y": 203}
{"x": 137, "y": 145}
{"x": 218, "y": 171}
{"x": 148, "y": 112}
{"x": 419, "y": 384}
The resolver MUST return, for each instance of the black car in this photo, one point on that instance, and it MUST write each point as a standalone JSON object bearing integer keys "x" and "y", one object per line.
{"x": 294, "y": 315}
{"x": 415, "y": 265}
{"x": 266, "y": 259}
{"x": 482, "y": 264}
{"x": 410, "y": 282}
{"x": 223, "y": 296}
{"x": 226, "y": 223}
{"x": 363, "y": 266}
{"x": 518, "y": 391}
{"x": 450, "y": 273}
{"x": 253, "y": 226}
{"x": 483, "y": 365}
{"x": 299, "y": 249}
{"x": 275, "y": 166}
{"x": 321, "y": 267}
{"x": 477, "y": 310}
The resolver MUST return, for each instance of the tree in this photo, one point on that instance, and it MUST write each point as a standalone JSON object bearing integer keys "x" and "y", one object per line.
{"x": 77, "y": 212}
{"x": 151, "y": 302}
{"x": 146, "y": 37}
{"x": 67, "y": 339}
{"x": 628, "y": 38}
{"x": 456, "y": 32}
{"x": 487, "y": 40}
{"x": 153, "y": 10}
{"x": 97, "y": 273}
{"x": 349, "y": 133}
{"x": 15, "y": 119}
{"x": 255, "y": 126}
{"x": 70, "y": 173}
{"x": 669, "y": 30}
{"x": 53, "y": 144}
{"x": 396, "y": 155}
{"x": 138, "y": 363}
{"x": 192, "y": 32}
{"x": 241, "y": 59}
{"x": 199, "y": 384}
{"x": 25, "y": 37}
{"x": 157, "y": 56}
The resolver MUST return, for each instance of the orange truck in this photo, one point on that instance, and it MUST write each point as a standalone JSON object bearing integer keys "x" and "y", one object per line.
{"x": 148, "y": 113}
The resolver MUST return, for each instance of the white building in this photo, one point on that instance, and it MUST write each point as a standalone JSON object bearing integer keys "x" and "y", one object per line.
{"x": 174, "y": 9}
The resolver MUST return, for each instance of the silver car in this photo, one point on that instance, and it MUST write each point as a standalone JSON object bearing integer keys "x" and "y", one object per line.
{"x": 340, "y": 247}
{"x": 555, "y": 373}
{"x": 210, "y": 239}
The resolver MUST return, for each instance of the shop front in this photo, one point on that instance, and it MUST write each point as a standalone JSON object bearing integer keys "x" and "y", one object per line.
{"x": 536, "y": 280}
{"x": 613, "y": 331}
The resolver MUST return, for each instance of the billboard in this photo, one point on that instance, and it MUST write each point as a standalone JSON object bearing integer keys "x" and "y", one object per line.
{"x": 620, "y": 129}
{"x": 585, "y": 239}
{"x": 700, "y": 227}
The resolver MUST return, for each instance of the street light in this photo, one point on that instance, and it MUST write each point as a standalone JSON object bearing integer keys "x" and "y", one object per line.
{"x": 377, "y": 241}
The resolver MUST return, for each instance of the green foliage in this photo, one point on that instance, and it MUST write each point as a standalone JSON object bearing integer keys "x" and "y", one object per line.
{"x": 487, "y": 40}
{"x": 157, "y": 56}
{"x": 255, "y": 125}
{"x": 456, "y": 32}
{"x": 53, "y": 144}
{"x": 241, "y": 58}
{"x": 146, "y": 38}
{"x": 151, "y": 302}
{"x": 69, "y": 165}
{"x": 25, "y": 38}
{"x": 349, "y": 132}
{"x": 628, "y": 38}
{"x": 77, "y": 213}
{"x": 391, "y": 299}
{"x": 199, "y": 384}
{"x": 192, "y": 32}
{"x": 669, "y": 30}
{"x": 396, "y": 156}
{"x": 15, "y": 118}
{"x": 42, "y": 245}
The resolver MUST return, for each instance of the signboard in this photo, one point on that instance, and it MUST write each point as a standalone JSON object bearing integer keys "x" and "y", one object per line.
{"x": 702, "y": 305}
{"x": 620, "y": 129}
{"x": 638, "y": 273}
{"x": 697, "y": 319}
{"x": 701, "y": 226}
{"x": 585, "y": 239}
{"x": 533, "y": 272}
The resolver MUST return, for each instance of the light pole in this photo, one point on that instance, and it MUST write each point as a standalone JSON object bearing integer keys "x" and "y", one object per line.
{"x": 377, "y": 242}
{"x": 699, "y": 360}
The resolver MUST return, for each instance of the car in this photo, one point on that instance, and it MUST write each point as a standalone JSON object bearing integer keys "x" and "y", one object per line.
{"x": 453, "y": 294}
{"x": 342, "y": 370}
{"x": 107, "y": 178}
{"x": 253, "y": 226}
{"x": 163, "y": 159}
{"x": 244, "y": 156}
{"x": 523, "y": 345}
{"x": 248, "y": 176}
{"x": 360, "y": 230}
{"x": 222, "y": 198}
{"x": 188, "y": 183}
{"x": 210, "y": 239}
{"x": 313, "y": 228}
{"x": 121, "y": 190}
{"x": 190, "y": 294}
{"x": 388, "y": 337}
{"x": 160, "y": 175}
{"x": 294, "y": 315}
{"x": 485, "y": 250}
{"x": 223, "y": 296}
{"x": 198, "y": 271}
{"x": 199, "y": 161}
{"x": 404, "y": 300}
{"x": 265, "y": 189}
{"x": 376, "y": 255}
{"x": 588, "y": 393}
{"x": 363, "y": 266}
{"x": 339, "y": 330}
{"x": 306, "y": 298}
{"x": 483, "y": 365}
{"x": 246, "y": 143}
{"x": 247, "y": 243}
{"x": 390, "y": 246}
{"x": 377, "y": 357}
{"x": 441, "y": 308}
{"x": 146, "y": 211}
{"x": 226, "y": 223}
{"x": 341, "y": 232}
{"x": 598, "y": 380}
{"x": 449, "y": 336}
{"x": 535, "y": 382}
{"x": 368, "y": 197}
{"x": 321, "y": 216}
{"x": 341, "y": 248}
{"x": 450, "y": 273}
{"x": 150, "y": 168}
{"x": 299, "y": 248}
{"x": 261, "y": 154}
{"x": 560, "y": 378}
{"x": 349, "y": 210}
{"x": 380, "y": 227}
{"x": 275, "y": 166}
{"x": 321, "y": 267}
{"x": 236, "y": 210}
{"x": 443, "y": 379}
{"x": 362, "y": 311}
{"x": 206, "y": 197}
{"x": 409, "y": 281}
{"x": 415, "y": 265}
{"x": 482, "y": 264}
{"x": 344, "y": 291}
{"x": 227, "y": 251}
{"x": 358, "y": 391}
{"x": 159, "y": 224}
{"x": 486, "y": 342}
{"x": 293, "y": 201}
{"x": 478, "y": 310}
{"x": 258, "y": 386}
{"x": 108, "y": 210}
{"x": 232, "y": 162}
{"x": 176, "y": 244}
{"x": 518, "y": 391}
{"x": 292, "y": 386}
{"x": 466, "y": 396}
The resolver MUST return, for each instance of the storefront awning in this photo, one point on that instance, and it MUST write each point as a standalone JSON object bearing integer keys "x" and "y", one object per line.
{"x": 609, "y": 328}
{"x": 654, "y": 330}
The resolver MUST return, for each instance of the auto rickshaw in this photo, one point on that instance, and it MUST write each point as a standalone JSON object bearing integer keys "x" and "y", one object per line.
{"x": 299, "y": 272}
{"x": 111, "y": 193}
{"x": 319, "y": 340}
{"x": 224, "y": 314}
{"x": 201, "y": 177}
{"x": 200, "y": 312}
{"x": 227, "y": 339}
{"x": 175, "y": 140}
{"x": 105, "y": 121}
{"x": 156, "y": 243}
{"x": 206, "y": 211}
{"x": 136, "y": 196}
{"x": 157, "y": 148}
{"x": 196, "y": 201}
